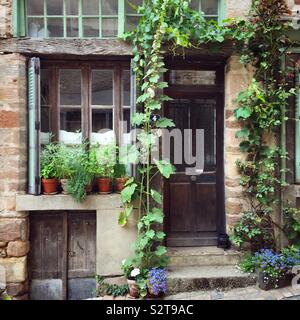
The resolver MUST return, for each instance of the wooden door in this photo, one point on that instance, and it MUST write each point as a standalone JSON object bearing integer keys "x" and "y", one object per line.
{"x": 62, "y": 260}
{"x": 194, "y": 196}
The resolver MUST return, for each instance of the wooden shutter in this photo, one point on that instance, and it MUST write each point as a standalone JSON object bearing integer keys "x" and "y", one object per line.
{"x": 18, "y": 15}
{"x": 297, "y": 131}
{"x": 34, "y": 185}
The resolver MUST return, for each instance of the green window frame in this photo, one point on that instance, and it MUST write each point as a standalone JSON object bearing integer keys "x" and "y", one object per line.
{"x": 20, "y": 19}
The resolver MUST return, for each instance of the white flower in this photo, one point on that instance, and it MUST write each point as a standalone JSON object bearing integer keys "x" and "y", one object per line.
{"x": 123, "y": 262}
{"x": 135, "y": 272}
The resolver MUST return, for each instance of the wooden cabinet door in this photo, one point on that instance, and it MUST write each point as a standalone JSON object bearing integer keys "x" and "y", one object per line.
{"x": 62, "y": 260}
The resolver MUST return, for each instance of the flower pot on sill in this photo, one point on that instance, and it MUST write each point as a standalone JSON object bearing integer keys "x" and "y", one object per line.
{"x": 104, "y": 185}
{"x": 50, "y": 186}
{"x": 266, "y": 283}
{"x": 133, "y": 289}
{"x": 120, "y": 184}
{"x": 152, "y": 295}
{"x": 64, "y": 185}
{"x": 89, "y": 187}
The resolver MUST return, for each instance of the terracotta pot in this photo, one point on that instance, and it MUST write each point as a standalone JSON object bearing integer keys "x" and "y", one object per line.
{"x": 50, "y": 186}
{"x": 154, "y": 296}
{"x": 133, "y": 289}
{"x": 120, "y": 184}
{"x": 89, "y": 187}
{"x": 64, "y": 183}
{"x": 104, "y": 185}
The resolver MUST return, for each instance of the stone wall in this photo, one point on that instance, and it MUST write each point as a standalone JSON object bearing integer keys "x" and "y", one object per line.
{"x": 14, "y": 244}
{"x": 234, "y": 8}
{"x": 5, "y": 18}
{"x": 237, "y": 78}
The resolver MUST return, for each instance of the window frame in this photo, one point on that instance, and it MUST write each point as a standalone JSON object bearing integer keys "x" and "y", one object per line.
{"x": 86, "y": 68}
{"x": 20, "y": 19}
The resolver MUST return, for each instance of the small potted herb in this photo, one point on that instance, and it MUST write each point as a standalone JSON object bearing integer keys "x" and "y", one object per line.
{"x": 157, "y": 282}
{"x": 121, "y": 177}
{"x": 49, "y": 166}
{"x": 106, "y": 157}
{"x": 65, "y": 169}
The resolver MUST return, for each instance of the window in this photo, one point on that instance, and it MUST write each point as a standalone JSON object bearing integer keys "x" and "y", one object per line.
{"x": 85, "y": 101}
{"x": 87, "y": 18}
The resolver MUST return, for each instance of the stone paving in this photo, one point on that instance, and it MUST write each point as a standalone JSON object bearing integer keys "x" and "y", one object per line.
{"x": 248, "y": 293}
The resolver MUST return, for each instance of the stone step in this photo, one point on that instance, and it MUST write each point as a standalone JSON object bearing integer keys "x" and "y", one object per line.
{"x": 202, "y": 256}
{"x": 187, "y": 279}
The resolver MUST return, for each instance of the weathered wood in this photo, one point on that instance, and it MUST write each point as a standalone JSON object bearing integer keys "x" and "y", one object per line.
{"x": 76, "y": 47}
{"x": 98, "y": 47}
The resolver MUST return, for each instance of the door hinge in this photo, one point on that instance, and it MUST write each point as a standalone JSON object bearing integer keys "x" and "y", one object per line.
{"x": 37, "y": 125}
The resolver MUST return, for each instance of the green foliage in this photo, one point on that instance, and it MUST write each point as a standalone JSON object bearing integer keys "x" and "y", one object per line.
{"x": 115, "y": 290}
{"x": 292, "y": 225}
{"x": 64, "y": 158}
{"x": 105, "y": 160}
{"x": 49, "y": 161}
{"x": 253, "y": 228}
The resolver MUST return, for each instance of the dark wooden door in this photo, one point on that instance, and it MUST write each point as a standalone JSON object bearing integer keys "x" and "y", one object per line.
{"x": 194, "y": 196}
{"x": 62, "y": 260}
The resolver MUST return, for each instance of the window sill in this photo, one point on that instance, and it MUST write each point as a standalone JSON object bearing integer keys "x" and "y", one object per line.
{"x": 65, "y": 202}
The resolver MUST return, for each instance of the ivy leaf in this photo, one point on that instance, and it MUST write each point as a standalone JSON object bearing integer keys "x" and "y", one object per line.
{"x": 243, "y": 113}
{"x": 160, "y": 235}
{"x": 154, "y": 79}
{"x": 160, "y": 251}
{"x": 165, "y": 168}
{"x": 142, "y": 98}
{"x": 155, "y": 216}
{"x": 128, "y": 192}
{"x": 155, "y": 105}
{"x": 244, "y": 146}
{"x": 244, "y": 133}
{"x": 123, "y": 217}
{"x": 137, "y": 119}
{"x": 156, "y": 196}
{"x": 162, "y": 85}
{"x": 165, "y": 123}
{"x": 150, "y": 234}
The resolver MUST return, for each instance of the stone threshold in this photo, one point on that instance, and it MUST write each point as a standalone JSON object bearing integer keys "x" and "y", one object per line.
{"x": 66, "y": 202}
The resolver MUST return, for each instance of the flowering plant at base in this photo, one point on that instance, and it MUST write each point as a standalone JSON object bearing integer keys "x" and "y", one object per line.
{"x": 157, "y": 281}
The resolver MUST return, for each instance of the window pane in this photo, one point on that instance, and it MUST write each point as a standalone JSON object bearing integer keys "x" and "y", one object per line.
{"x": 210, "y": 6}
{"x": 55, "y": 27}
{"x": 131, "y": 23}
{"x": 90, "y": 7}
{"x": 109, "y": 7}
{"x": 126, "y": 120}
{"x": 35, "y": 7}
{"x": 70, "y": 126}
{"x": 109, "y": 27}
{"x": 102, "y": 87}
{"x": 72, "y": 7}
{"x": 195, "y": 5}
{"x": 90, "y": 27}
{"x": 102, "y": 126}
{"x": 45, "y": 107}
{"x": 129, "y": 8}
{"x": 70, "y": 87}
{"x": 192, "y": 77}
{"x": 72, "y": 27}
{"x": 126, "y": 88}
{"x": 55, "y": 7}
{"x": 36, "y": 28}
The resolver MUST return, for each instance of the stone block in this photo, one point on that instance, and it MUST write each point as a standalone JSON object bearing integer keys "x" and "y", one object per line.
{"x": 17, "y": 289}
{"x": 15, "y": 269}
{"x": 13, "y": 229}
{"x": 9, "y": 119}
{"x": 18, "y": 248}
{"x": 113, "y": 242}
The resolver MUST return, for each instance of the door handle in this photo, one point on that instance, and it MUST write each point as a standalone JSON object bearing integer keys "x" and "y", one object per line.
{"x": 71, "y": 254}
{"x": 193, "y": 178}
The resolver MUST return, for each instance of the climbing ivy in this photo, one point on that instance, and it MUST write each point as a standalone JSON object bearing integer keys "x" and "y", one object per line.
{"x": 170, "y": 27}
{"x": 261, "y": 111}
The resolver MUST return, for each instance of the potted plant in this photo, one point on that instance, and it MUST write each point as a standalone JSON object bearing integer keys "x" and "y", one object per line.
{"x": 121, "y": 177}
{"x": 106, "y": 157}
{"x": 81, "y": 181}
{"x": 49, "y": 169}
{"x": 157, "y": 282}
{"x": 132, "y": 274}
{"x": 65, "y": 168}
